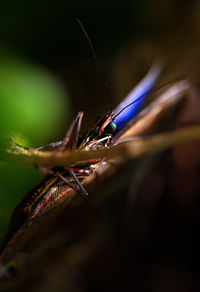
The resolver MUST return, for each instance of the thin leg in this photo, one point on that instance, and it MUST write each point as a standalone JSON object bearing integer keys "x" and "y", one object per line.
{"x": 78, "y": 130}
{"x": 52, "y": 172}
{"x": 61, "y": 145}
{"x": 77, "y": 181}
{"x": 66, "y": 140}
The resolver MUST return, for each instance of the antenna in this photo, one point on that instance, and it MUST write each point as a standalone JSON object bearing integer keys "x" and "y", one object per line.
{"x": 89, "y": 41}
{"x": 147, "y": 92}
{"x": 99, "y": 65}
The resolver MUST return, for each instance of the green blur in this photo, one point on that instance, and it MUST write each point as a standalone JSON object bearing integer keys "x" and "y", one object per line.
{"x": 33, "y": 109}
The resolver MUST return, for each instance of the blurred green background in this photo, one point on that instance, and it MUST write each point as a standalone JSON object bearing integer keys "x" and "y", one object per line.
{"x": 47, "y": 72}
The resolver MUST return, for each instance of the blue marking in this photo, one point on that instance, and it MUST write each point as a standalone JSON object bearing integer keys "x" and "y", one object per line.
{"x": 113, "y": 124}
{"x": 145, "y": 85}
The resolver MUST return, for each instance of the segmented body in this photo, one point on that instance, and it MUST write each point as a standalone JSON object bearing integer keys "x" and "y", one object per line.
{"x": 48, "y": 194}
{"x": 53, "y": 189}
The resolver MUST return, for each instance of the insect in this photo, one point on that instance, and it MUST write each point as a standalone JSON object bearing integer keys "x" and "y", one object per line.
{"x": 57, "y": 183}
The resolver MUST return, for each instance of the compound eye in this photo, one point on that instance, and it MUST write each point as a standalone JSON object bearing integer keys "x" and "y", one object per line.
{"x": 110, "y": 128}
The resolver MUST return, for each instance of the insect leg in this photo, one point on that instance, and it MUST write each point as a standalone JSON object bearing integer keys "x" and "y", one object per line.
{"x": 52, "y": 172}
{"x": 77, "y": 181}
{"x": 77, "y": 121}
{"x": 78, "y": 130}
{"x": 61, "y": 145}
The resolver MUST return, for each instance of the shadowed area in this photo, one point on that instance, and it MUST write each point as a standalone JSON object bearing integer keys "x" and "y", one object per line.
{"x": 138, "y": 229}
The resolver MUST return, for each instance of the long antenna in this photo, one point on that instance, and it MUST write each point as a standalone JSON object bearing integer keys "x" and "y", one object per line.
{"x": 99, "y": 65}
{"x": 89, "y": 41}
{"x": 147, "y": 92}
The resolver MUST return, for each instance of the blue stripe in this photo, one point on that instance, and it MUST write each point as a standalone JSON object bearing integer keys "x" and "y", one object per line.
{"x": 145, "y": 85}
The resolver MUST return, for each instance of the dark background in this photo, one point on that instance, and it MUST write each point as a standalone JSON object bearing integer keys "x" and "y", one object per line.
{"x": 48, "y": 73}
